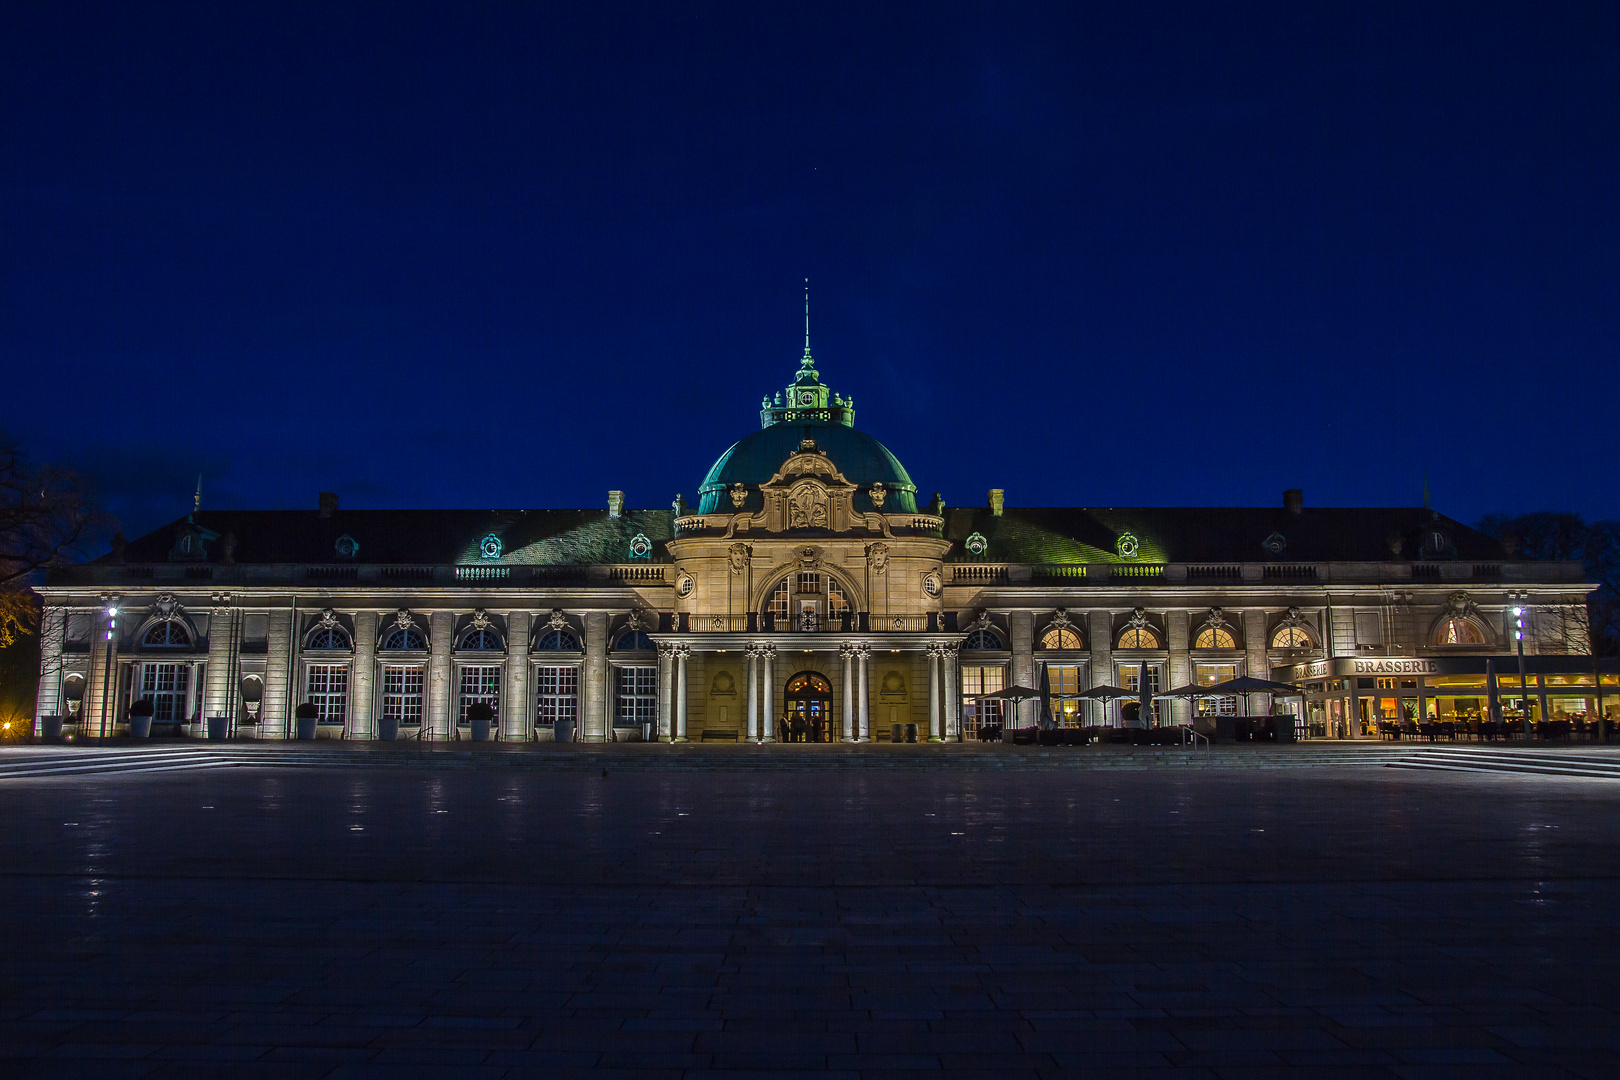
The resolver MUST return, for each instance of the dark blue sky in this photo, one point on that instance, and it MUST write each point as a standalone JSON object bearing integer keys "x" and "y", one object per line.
{"x": 515, "y": 255}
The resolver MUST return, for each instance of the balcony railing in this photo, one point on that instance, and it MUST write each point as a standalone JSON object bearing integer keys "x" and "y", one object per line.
{"x": 717, "y": 624}
{"x": 483, "y": 573}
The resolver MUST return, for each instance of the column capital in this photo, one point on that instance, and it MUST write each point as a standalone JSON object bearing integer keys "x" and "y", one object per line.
{"x": 863, "y": 651}
{"x": 847, "y": 651}
{"x": 768, "y": 650}
{"x": 681, "y": 651}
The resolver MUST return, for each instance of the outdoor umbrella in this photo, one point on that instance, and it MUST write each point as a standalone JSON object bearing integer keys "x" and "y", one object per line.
{"x": 1247, "y": 684}
{"x": 1012, "y": 694}
{"x": 1106, "y": 693}
{"x": 1046, "y": 697}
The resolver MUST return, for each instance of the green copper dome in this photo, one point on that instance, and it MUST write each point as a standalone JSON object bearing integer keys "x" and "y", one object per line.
{"x": 807, "y": 413}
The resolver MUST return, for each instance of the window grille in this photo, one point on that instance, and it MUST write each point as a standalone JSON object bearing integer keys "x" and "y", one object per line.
{"x": 481, "y": 641}
{"x": 326, "y": 686}
{"x": 779, "y": 604}
{"x": 982, "y": 640}
{"x": 167, "y": 635}
{"x": 981, "y": 679}
{"x": 634, "y": 641}
{"x": 810, "y": 583}
{"x": 402, "y": 694}
{"x": 480, "y": 684}
{"x": 1291, "y": 637}
{"x": 556, "y": 694}
{"x": 1209, "y": 675}
{"x": 637, "y": 697}
{"x": 1213, "y": 637}
{"x": 836, "y": 603}
{"x": 1061, "y": 638}
{"x": 1064, "y": 685}
{"x": 1138, "y": 638}
{"x": 403, "y": 640}
{"x": 165, "y": 684}
{"x": 558, "y": 641}
{"x": 329, "y": 637}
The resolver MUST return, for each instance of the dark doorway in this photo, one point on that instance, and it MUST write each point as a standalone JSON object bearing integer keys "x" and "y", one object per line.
{"x": 809, "y": 709}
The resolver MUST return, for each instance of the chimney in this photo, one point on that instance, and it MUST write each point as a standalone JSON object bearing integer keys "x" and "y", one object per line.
{"x": 328, "y": 503}
{"x": 615, "y": 504}
{"x": 998, "y": 499}
{"x": 1294, "y": 500}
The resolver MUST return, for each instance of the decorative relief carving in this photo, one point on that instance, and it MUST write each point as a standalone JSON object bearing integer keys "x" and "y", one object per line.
{"x": 1138, "y": 620}
{"x": 480, "y": 619}
{"x": 329, "y": 619}
{"x": 166, "y": 605}
{"x": 877, "y": 557}
{"x": 739, "y": 494}
{"x": 807, "y": 506}
{"x": 404, "y": 619}
{"x": 1061, "y": 620}
{"x": 879, "y": 493}
{"x": 738, "y": 555}
{"x": 557, "y": 620}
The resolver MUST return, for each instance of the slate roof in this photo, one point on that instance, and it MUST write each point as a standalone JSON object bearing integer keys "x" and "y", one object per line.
{"x": 1201, "y": 534}
{"x": 1019, "y": 535}
{"x": 439, "y": 537}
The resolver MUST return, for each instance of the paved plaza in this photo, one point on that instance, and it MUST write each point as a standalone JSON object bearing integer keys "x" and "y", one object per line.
{"x": 867, "y": 921}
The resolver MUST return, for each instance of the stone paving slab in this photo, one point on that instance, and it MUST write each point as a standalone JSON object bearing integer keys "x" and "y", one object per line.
{"x": 552, "y": 922}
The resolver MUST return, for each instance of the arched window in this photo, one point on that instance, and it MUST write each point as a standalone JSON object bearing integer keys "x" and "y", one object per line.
{"x": 558, "y": 641}
{"x": 982, "y": 641}
{"x": 1138, "y": 637}
{"x": 329, "y": 637}
{"x": 1215, "y": 637}
{"x": 404, "y": 640}
{"x": 633, "y": 641}
{"x": 1291, "y": 637}
{"x": 1061, "y": 637}
{"x": 166, "y": 635}
{"x": 1459, "y": 631}
{"x": 481, "y": 639}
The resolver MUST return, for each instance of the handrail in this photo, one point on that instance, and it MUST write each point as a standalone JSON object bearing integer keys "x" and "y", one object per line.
{"x": 1193, "y": 734}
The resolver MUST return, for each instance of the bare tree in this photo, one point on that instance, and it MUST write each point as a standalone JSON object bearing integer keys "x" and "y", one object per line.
{"x": 45, "y": 518}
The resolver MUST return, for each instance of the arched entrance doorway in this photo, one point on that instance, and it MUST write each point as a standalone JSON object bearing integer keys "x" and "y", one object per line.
{"x": 809, "y": 708}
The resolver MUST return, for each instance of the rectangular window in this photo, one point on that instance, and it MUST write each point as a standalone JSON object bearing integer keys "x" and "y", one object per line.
{"x": 326, "y": 686}
{"x": 480, "y": 684}
{"x": 556, "y": 694}
{"x": 1369, "y": 628}
{"x": 1209, "y": 675}
{"x": 836, "y": 603}
{"x": 778, "y": 606}
{"x": 402, "y": 694}
{"x": 165, "y": 684}
{"x": 1064, "y": 682}
{"x": 981, "y": 679}
{"x": 637, "y": 697}
{"x": 810, "y": 583}
{"x": 1130, "y": 677}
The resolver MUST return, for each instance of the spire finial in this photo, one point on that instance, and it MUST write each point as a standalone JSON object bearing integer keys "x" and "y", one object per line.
{"x": 807, "y": 316}
{"x": 196, "y": 500}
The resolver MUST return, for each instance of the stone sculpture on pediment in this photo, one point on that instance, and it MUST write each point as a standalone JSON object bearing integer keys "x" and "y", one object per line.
{"x": 807, "y": 506}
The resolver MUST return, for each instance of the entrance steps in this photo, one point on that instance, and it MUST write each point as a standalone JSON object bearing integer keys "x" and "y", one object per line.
{"x": 1598, "y": 764}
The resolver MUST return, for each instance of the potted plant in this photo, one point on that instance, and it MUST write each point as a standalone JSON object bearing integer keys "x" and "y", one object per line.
{"x": 140, "y": 718}
{"x": 308, "y": 715}
{"x": 480, "y": 716}
{"x": 387, "y": 728}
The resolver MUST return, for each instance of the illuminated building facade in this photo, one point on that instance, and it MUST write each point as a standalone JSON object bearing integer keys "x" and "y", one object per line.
{"x": 808, "y": 584}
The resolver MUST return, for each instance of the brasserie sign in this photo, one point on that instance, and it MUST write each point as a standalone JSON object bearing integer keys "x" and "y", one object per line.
{"x": 1369, "y": 665}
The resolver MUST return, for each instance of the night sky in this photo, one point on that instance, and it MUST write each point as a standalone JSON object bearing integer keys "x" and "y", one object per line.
{"x": 516, "y": 255}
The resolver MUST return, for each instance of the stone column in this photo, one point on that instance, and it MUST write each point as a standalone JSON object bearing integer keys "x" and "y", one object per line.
{"x": 52, "y": 635}
{"x": 515, "y": 720}
{"x": 848, "y": 654}
{"x": 280, "y": 664}
{"x": 595, "y": 724}
{"x": 953, "y": 707}
{"x": 217, "y": 691}
{"x": 1101, "y": 633}
{"x": 1254, "y": 651}
{"x": 753, "y": 692}
{"x": 863, "y": 656}
{"x": 1022, "y": 625}
{"x": 935, "y": 654}
{"x": 666, "y": 692}
{"x": 1178, "y": 672}
{"x": 441, "y": 627}
{"x": 363, "y": 677}
{"x": 768, "y": 694}
{"x": 682, "y": 654}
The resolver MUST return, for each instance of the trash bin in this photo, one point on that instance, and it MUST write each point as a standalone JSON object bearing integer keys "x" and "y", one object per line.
{"x": 646, "y": 731}
{"x": 562, "y": 731}
{"x": 388, "y": 728}
{"x": 911, "y": 733}
{"x": 50, "y": 727}
{"x": 217, "y": 727}
{"x": 897, "y": 733}
{"x": 480, "y": 729}
{"x": 140, "y": 727}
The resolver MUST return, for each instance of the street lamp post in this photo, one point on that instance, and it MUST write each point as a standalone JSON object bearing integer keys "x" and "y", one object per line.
{"x": 1519, "y": 615}
{"x": 107, "y": 667}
